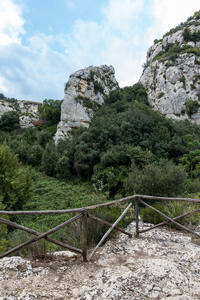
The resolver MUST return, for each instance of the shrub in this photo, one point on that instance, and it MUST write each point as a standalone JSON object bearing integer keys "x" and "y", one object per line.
{"x": 161, "y": 179}
{"x": 160, "y": 95}
{"x": 38, "y": 123}
{"x": 191, "y": 106}
{"x": 150, "y": 216}
{"x": 63, "y": 168}
{"x": 98, "y": 88}
{"x": 172, "y": 209}
{"x": 9, "y": 121}
{"x": 15, "y": 180}
{"x": 43, "y": 138}
{"x": 3, "y": 231}
{"x": 49, "y": 159}
{"x": 177, "y": 208}
{"x": 35, "y": 156}
{"x": 50, "y": 111}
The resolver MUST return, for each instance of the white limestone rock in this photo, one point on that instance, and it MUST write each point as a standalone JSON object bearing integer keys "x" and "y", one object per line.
{"x": 28, "y": 110}
{"x": 4, "y": 107}
{"x": 84, "y": 91}
{"x": 170, "y": 83}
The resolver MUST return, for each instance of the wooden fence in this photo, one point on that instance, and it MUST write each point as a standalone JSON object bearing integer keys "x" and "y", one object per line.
{"x": 84, "y": 214}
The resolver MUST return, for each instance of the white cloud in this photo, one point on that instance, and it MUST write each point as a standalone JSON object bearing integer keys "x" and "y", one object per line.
{"x": 119, "y": 15}
{"x": 170, "y": 13}
{"x": 11, "y": 23}
{"x": 114, "y": 41}
{"x": 69, "y": 3}
{"x": 38, "y": 71}
{"x": 40, "y": 40}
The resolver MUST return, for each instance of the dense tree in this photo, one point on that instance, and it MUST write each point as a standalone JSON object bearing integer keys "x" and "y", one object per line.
{"x": 159, "y": 179}
{"x": 49, "y": 159}
{"x": 9, "y": 121}
{"x": 35, "y": 155}
{"x": 50, "y": 111}
{"x": 15, "y": 180}
{"x": 191, "y": 160}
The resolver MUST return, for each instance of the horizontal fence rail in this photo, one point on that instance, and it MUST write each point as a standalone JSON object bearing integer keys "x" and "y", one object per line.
{"x": 83, "y": 213}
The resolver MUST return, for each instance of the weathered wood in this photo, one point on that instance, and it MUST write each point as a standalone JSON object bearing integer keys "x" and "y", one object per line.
{"x": 17, "y": 226}
{"x": 171, "y": 220}
{"x": 167, "y": 198}
{"x": 43, "y": 235}
{"x": 82, "y": 209}
{"x": 108, "y": 224}
{"x": 166, "y": 222}
{"x": 65, "y": 211}
{"x": 84, "y": 236}
{"x": 109, "y": 231}
{"x": 136, "y": 218}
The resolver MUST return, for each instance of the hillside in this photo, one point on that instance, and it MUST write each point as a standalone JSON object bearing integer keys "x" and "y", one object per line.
{"x": 161, "y": 264}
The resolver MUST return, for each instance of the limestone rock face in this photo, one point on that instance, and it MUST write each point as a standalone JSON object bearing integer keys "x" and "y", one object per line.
{"x": 172, "y": 74}
{"x": 28, "y": 110}
{"x": 4, "y": 107}
{"x": 84, "y": 92}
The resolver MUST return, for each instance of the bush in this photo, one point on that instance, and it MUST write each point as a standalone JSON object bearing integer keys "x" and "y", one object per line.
{"x": 177, "y": 208}
{"x": 161, "y": 179}
{"x": 63, "y": 168}
{"x": 172, "y": 209}
{"x": 35, "y": 156}
{"x": 3, "y": 230}
{"x": 9, "y": 121}
{"x": 15, "y": 180}
{"x": 50, "y": 111}
{"x": 191, "y": 107}
{"x": 44, "y": 138}
{"x": 49, "y": 159}
{"x": 150, "y": 216}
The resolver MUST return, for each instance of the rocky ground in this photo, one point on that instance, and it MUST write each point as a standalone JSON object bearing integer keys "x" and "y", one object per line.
{"x": 161, "y": 264}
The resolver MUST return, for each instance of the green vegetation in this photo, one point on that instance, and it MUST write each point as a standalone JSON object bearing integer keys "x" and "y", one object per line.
{"x": 191, "y": 37}
{"x": 50, "y": 111}
{"x": 171, "y": 209}
{"x": 191, "y": 160}
{"x": 191, "y": 106}
{"x": 87, "y": 102}
{"x": 128, "y": 148}
{"x": 15, "y": 180}
{"x": 171, "y": 51}
{"x": 9, "y": 121}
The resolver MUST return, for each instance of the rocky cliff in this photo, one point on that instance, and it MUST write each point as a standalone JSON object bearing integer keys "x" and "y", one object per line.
{"x": 28, "y": 110}
{"x": 84, "y": 92}
{"x": 172, "y": 72}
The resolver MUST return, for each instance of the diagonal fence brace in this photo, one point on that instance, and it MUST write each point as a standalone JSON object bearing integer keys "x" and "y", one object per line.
{"x": 169, "y": 219}
{"x": 34, "y": 232}
{"x": 43, "y": 235}
{"x": 109, "y": 231}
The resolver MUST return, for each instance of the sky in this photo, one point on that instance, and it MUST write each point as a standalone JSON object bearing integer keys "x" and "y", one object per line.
{"x": 42, "y": 42}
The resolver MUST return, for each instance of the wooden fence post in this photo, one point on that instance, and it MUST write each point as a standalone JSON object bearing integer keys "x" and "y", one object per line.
{"x": 108, "y": 232}
{"x": 136, "y": 218}
{"x": 84, "y": 237}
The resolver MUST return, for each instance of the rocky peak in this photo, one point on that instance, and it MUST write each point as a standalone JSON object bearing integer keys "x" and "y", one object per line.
{"x": 172, "y": 73}
{"x": 84, "y": 92}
